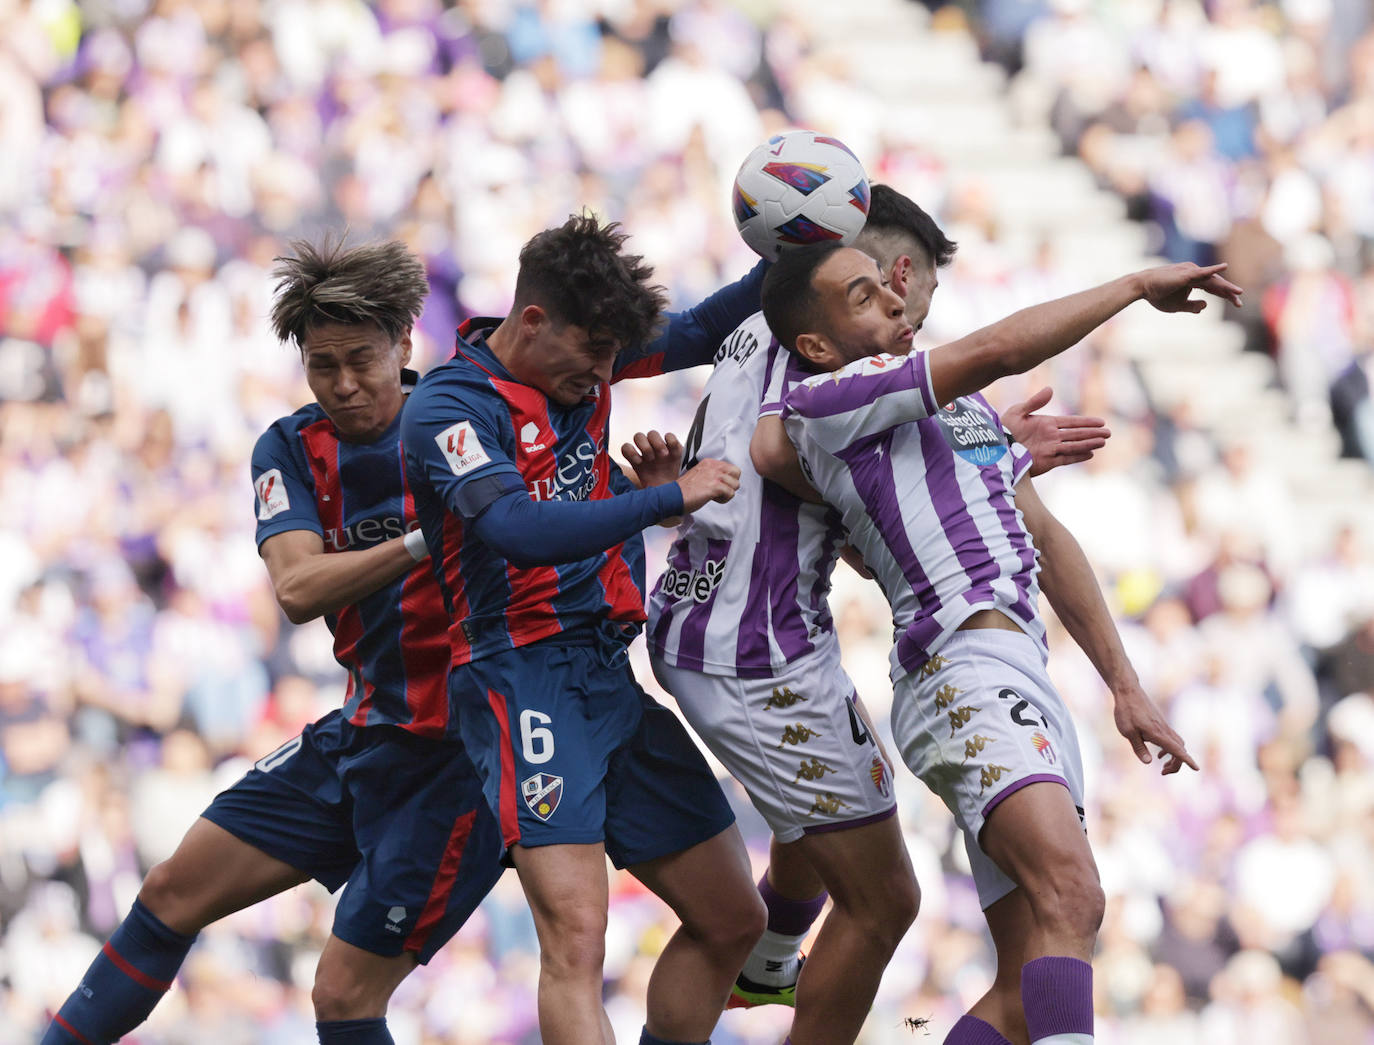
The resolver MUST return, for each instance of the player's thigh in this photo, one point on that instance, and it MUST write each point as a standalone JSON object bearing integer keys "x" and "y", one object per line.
{"x": 710, "y": 886}
{"x": 1036, "y": 838}
{"x": 211, "y": 875}
{"x": 865, "y": 867}
{"x": 430, "y": 846}
{"x": 568, "y": 893}
{"x": 541, "y": 724}
{"x": 799, "y": 742}
{"x": 980, "y": 723}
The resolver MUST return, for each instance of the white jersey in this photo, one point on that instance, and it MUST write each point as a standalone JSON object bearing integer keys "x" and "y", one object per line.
{"x": 926, "y": 494}
{"x": 746, "y": 585}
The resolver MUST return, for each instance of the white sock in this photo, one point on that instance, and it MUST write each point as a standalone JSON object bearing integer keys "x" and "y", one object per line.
{"x": 774, "y": 959}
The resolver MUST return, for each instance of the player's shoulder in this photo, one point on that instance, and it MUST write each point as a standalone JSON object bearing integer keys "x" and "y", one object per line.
{"x": 282, "y": 432}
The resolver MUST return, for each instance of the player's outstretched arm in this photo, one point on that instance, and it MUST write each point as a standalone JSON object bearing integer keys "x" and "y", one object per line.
{"x": 1027, "y": 338}
{"x": 310, "y": 583}
{"x": 1052, "y": 439}
{"x": 1068, "y": 582}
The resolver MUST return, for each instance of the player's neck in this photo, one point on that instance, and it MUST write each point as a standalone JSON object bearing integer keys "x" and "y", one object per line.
{"x": 504, "y": 344}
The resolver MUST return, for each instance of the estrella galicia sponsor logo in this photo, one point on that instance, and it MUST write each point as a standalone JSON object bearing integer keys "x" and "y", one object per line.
{"x": 542, "y": 793}
{"x": 971, "y": 433}
{"x": 698, "y": 585}
{"x": 394, "y": 919}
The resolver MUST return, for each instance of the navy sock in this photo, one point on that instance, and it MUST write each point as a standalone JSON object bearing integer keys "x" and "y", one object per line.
{"x": 354, "y": 1032}
{"x": 648, "y": 1039}
{"x": 127, "y": 979}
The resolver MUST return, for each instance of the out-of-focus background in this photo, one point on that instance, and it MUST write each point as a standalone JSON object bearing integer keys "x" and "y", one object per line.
{"x": 156, "y": 154}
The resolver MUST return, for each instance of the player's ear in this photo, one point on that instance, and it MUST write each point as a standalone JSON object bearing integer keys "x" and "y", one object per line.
{"x": 532, "y": 318}
{"x": 815, "y": 349}
{"x": 900, "y": 274}
{"x": 406, "y": 346}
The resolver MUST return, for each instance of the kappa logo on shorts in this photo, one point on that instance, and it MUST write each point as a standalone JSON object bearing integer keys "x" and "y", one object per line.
{"x": 933, "y": 665}
{"x": 945, "y": 695}
{"x": 990, "y": 775}
{"x": 798, "y": 734}
{"x": 960, "y": 717}
{"x": 394, "y": 918}
{"x": 828, "y": 804}
{"x": 813, "y": 770}
{"x": 974, "y": 745}
{"x": 881, "y": 774}
{"x": 783, "y": 698}
{"x": 542, "y": 793}
{"x": 1042, "y": 744}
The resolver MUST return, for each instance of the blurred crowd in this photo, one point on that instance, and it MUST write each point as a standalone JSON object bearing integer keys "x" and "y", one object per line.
{"x": 157, "y": 154}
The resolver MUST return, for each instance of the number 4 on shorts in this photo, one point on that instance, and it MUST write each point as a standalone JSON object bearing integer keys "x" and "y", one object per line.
{"x": 857, "y": 729}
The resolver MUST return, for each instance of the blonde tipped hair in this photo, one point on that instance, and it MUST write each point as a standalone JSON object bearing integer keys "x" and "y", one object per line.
{"x": 379, "y": 283}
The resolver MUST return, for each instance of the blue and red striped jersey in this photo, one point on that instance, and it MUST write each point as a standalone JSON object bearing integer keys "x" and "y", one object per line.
{"x": 393, "y": 643}
{"x": 469, "y": 419}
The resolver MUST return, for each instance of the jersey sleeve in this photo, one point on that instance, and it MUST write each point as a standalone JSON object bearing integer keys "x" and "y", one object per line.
{"x": 692, "y": 337}
{"x": 453, "y": 443}
{"x": 862, "y": 399}
{"x": 284, "y": 492}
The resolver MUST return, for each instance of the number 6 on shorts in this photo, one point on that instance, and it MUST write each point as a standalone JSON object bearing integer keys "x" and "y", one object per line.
{"x": 534, "y": 731}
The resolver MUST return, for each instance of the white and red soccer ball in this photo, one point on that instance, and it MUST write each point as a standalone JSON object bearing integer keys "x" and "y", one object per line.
{"x": 798, "y": 188}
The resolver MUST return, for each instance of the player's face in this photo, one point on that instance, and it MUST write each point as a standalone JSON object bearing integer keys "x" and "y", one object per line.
{"x": 354, "y": 369}
{"x": 565, "y": 363}
{"x": 863, "y": 314}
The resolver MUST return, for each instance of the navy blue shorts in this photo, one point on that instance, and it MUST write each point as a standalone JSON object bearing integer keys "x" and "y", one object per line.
{"x": 400, "y": 819}
{"x": 572, "y": 750}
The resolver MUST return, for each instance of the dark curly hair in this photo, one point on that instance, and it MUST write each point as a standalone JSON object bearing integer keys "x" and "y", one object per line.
{"x": 381, "y": 283}
{"x": 579, "y": 274}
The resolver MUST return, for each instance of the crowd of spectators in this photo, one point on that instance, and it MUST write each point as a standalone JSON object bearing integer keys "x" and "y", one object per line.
{"x": 159, "y": 153}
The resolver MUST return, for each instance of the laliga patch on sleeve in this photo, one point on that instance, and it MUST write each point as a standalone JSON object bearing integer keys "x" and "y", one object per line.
{"x": 461, "y": 448}
{"x": 272, "y": 498}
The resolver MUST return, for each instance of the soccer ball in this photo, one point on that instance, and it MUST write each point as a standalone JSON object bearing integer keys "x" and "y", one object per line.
{"x": 799, "y": 188}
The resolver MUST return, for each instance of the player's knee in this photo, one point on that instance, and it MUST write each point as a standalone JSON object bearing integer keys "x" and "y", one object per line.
{"x": 884, "y": 906}
{"x": 171, "y": 899}
{"x": 340, "y": 995}
{"x": 576, "y": 946}
{"x": 1069, "y": 898}
{"x": 732, "y": 923}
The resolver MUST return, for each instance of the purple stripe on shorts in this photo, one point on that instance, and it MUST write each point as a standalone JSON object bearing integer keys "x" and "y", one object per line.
{"x": 691, "y": 641}
{"x": 845, "y": 825}
{"x": 847, "y": 391}
{"x": 1011, "y": 789}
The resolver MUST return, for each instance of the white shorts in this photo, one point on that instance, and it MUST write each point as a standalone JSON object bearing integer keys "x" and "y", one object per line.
{"x": 978, "y": 722}
{"x": 794, "y": 741}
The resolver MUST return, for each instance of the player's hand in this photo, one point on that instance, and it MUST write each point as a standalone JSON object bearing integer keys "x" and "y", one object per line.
{"x": 1169, "y": 287}
{"x": 1140, "y": 722}
{"x": 656, "y": 459}
{"x": 706, "y": 481}
{"x": 1054, "y": 439}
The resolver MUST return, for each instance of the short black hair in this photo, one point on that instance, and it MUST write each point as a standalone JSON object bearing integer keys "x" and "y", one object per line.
{"x": 381, "y": 283}
{"x": 893, "y": 219}
{"x": 579, "y": 274}
{"x": 789, "y": 293}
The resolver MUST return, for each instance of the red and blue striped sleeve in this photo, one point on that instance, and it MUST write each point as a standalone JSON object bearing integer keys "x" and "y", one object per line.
{"x": 284, "y": 494}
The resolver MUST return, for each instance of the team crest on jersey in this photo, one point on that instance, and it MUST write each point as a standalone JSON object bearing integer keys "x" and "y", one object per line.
{"x": 1042, "y": 744}
{"x": 272, "y": 498}
{"x": 461, "y": 448}
{"x": 971, "y": 433}
{"x": 542, "y": 793}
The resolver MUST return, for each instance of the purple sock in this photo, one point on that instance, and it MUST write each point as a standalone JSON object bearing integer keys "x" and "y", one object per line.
{"x": 970, "y": 1030}
{"x": 1057, "y": 995}
{"x": 786, "y": 916}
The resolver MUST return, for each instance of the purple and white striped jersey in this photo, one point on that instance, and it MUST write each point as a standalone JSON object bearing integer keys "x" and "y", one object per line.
{"x": 746, "y": 584}
{"x": 926, "y": 494}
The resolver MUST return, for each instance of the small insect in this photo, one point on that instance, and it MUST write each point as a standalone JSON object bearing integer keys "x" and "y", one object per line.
{"x": 916, "y": 1023}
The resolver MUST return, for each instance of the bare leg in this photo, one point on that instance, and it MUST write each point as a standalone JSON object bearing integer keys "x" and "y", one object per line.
{"x": 567, "y": 891}
{"x": 711, "y": 888}
{"x": 354, "y": 984}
